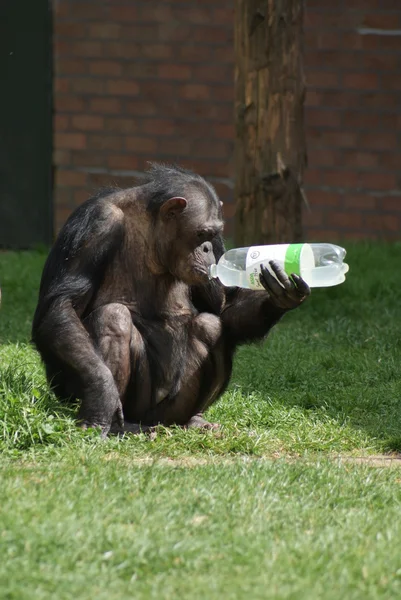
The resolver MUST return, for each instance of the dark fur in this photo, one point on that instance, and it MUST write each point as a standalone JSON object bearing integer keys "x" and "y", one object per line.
{"x": 116, "y": 325}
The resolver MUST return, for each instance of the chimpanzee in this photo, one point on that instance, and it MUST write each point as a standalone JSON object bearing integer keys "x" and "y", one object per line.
{"x": 128, "y": 320}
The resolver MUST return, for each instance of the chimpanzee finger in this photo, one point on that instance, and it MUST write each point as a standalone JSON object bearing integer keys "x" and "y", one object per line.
{"x": 269, "y": 282}
{"x": 282, "y": 276}
{"x": 301, "y": 285}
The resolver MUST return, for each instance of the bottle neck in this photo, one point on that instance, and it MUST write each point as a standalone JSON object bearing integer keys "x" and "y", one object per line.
{"x": 212, "y": 271}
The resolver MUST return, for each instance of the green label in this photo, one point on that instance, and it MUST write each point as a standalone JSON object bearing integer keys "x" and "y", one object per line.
{"x": 292, "y": 262}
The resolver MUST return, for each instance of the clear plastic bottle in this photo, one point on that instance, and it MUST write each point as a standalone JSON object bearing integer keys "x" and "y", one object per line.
{"x": 320, "y": 265}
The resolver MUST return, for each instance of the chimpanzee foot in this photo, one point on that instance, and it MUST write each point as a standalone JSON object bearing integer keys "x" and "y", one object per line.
{"x": 201, "y": 423}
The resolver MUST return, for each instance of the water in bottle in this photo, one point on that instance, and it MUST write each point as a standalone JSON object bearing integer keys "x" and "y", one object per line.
{"x": 320, "y": 265}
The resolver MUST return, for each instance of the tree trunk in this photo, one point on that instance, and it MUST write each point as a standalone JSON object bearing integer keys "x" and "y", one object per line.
{"x": 270, "y": 141}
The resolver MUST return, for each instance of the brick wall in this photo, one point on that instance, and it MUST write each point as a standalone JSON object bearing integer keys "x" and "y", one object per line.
{"x": 139, "y": 80}
{"x": 353, "y": 117}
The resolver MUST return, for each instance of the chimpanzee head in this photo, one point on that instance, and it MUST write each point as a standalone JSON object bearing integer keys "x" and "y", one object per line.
{"x": 188, "y": 223}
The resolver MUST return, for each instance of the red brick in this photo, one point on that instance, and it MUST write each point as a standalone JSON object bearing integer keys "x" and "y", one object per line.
{"x": 224, "y": 131}
{"x": 374, "y": 61}
{"x": 62, "y": 197}
{"x": 121, "y": 49}
{"x": 390, "y": 121}
{"x": 104, "y": 30}
{"x": 377, "y": 181}
{"x": 121, "y": 87}
{"x": 391, "y": 161}
{"x": 156, "y": 12}
{"x": 105, "y": 142}
{"x": 85, "y": 85}
{"x": 338, "y": 178}
{"x": 325, "y": 157}
{"x": 122, "y": 13}
{"x": 323, "y": 235}
{"x": 223, "y": 15}
{"x": 105, "y": 105}
{"x": 213, "y": 72}
{"x": 158, "y": 126}
{"x": 105, "y": 67}
{"x": 157, "y": 90}
{"x": 89, "y": 158}
{"x": 312, "y": 176}
{"x": 380, "y": 21}
{"x": 348, "y": 220}
{"x": 70, "y": 178}
{"x": 384, "y": 223}
{"x": 321, "y": 79}
{"x": 123, "y": 162}
{"x": 361, "y": 81}
{"x": 142, "y": 145}
{"x": 62, "y": 86}
{"x": 80, "y": 196}
{"x": 144, "y": 32}
{"x": 379, "y": 140}
{"x": 195, "y": 91}
{"x": 358, "y": 159}
{"x": 324, "y": 198}
{"x": 340, "y": 139}
{"x": 390, "y": 42}
{"x": 69, "y": 29}
{"x": 329, "y": 39}
{"x": 73, "y": 141}
{"x": 223, "y": 54}
{"x": 323, "y": 118}
{"x": 314, "y": 218}
{"x": 174, "y": 71}
{"x": 64, "y": 66}
{"x": 312, "y": 98}
{"x": 60, "y": 122}
{"x": 61, "y": 157}
{"x": 156, "y": 51}
{"x": 121, "y": 125}
{"x": 69, "y": 104}
{"x": 355, "y": 119}
{"x": 391, "y": 82}
{"x": 81, "y": 10}
{"x": 87, "y": 122}
{"x": 359, "y": 201}
{"x": 222, "y": 93}
{"x": 206, "y": 148}
{"x": 193, "y": 54}
{"x": 175, "y": 146}
{"x": 86, "y": 49}
{"x": 390, "y": 203}
{"x": 141, "y": 70}
{"x": 377, "y": 100}
{"x": 206, "y": 168}
{"x": 141, "y": 108}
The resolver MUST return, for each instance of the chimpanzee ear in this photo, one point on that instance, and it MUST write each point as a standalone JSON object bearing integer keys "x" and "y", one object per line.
{"x": 172, "y": 207}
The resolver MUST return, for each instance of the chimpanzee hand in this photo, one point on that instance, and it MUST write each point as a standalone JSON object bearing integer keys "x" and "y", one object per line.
{"x": 286, "y": 293}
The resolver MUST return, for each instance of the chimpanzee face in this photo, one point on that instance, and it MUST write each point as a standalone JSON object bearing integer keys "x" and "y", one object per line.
{"x": 192, "y": 233}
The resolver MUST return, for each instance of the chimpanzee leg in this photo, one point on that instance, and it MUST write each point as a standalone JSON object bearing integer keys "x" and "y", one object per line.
{"x": 122, "y": 349}
{"x": 110, "y": 328}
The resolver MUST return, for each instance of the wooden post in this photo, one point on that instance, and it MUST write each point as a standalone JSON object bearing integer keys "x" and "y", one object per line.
{"x": 270, "y": 140}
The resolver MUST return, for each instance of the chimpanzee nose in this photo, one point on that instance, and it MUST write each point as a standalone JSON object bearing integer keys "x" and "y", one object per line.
{"x": 207, "y": 247}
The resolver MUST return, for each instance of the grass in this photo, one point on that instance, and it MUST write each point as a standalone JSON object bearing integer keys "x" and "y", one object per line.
{"x": 262, "y": 508}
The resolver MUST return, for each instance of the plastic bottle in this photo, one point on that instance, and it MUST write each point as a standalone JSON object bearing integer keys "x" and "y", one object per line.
{"x": 320, "y": 265}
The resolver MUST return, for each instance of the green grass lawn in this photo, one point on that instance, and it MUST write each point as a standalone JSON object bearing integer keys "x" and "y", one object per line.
{"x": 263, "y": 509}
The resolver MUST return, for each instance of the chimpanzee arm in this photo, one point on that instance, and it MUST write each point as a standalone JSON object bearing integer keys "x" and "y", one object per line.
{"x": 249, "y": 315}
{"x": 70, "y": 278}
